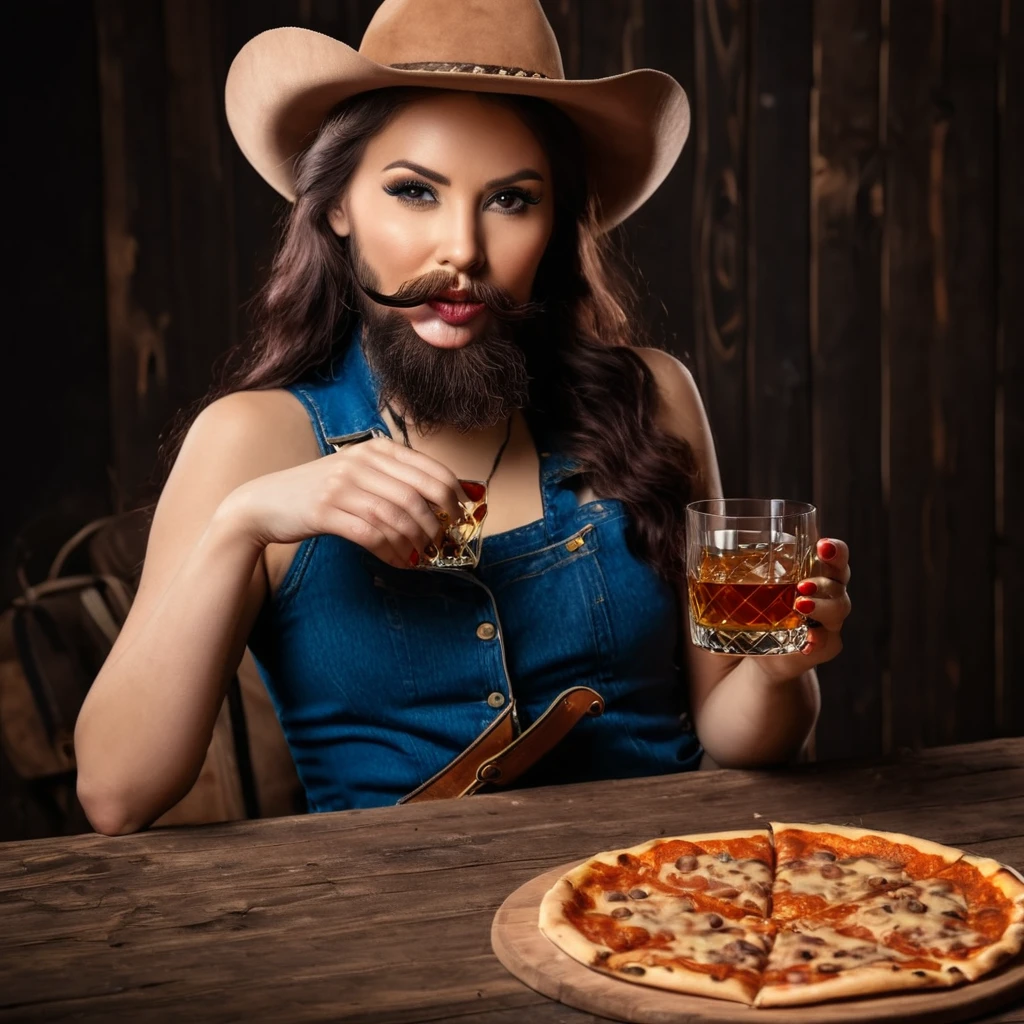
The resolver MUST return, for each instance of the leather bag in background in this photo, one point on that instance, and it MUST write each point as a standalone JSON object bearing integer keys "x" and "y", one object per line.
{"x": 54, "y": 639}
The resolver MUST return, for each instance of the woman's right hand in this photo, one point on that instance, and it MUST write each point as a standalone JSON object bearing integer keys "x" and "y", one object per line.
{"x": 373, "y": 493}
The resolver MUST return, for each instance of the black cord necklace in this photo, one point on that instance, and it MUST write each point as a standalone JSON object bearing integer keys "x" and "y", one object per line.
{"x": 405, "y": 437}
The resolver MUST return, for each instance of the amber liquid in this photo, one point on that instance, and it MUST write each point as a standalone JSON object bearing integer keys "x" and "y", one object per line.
{"x": 766, "y": 606}
{"x": 728, "y": 594}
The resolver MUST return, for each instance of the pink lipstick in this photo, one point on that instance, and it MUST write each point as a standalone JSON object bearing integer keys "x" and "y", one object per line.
{"x": 454, "y": 312}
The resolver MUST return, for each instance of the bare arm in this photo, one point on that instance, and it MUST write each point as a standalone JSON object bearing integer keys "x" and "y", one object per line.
{"x": 744, "y": 717}
{"x": 144, "y": 728}
{"x": 250, "y": 474}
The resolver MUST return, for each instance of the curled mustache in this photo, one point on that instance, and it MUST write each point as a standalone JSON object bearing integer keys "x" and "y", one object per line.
{"x": 423, "y": 289}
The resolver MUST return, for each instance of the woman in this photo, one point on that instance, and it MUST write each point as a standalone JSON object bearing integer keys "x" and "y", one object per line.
{"x": 440, "y": 310}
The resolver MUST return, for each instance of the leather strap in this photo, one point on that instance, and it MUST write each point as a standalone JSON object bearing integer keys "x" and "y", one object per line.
{"x": 497, "y": 756}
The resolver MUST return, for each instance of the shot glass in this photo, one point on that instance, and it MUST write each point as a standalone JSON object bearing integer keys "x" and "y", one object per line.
{"x": 744, "y": 558}
{"x": 461, "y": 540}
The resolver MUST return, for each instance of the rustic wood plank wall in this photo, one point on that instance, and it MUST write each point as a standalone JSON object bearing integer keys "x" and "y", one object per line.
{"x": 837, "y": 255}
{"x": 1009, "y": 590}
{"x": 846, "y": 201}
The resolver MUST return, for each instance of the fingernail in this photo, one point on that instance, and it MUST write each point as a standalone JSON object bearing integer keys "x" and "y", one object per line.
{"x": 807, "y": 648}
{"x": 827, "y": 549}
{"x": 805, "y": 606}
{"x": 807, "y": 588}
{"x": 414, "y": 558}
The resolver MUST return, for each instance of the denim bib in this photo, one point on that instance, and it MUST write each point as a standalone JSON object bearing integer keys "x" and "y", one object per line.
{"x": 380, "y": 676}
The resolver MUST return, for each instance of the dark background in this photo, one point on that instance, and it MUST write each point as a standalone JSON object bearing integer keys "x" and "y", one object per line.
{"x": 838, "y": 256}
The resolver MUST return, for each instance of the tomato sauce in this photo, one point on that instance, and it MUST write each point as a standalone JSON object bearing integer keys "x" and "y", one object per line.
{"x": 988, "y": 907}
{"x": 607, "y": 931}
{"x": 799, "y": 845}
{"x": 632, "y": 871}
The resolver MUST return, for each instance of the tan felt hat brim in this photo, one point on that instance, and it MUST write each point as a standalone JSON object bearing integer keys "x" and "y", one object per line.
{"x": 283, "y": 83}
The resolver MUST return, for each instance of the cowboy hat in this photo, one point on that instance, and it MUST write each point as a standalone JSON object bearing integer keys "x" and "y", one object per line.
{"x": 283, "y": 83}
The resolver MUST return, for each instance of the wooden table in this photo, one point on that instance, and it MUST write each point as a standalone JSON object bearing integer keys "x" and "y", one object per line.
{"x": 384, "y": 915}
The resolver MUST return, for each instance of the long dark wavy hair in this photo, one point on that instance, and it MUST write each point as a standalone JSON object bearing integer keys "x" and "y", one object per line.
{"x": 593, "y": 389}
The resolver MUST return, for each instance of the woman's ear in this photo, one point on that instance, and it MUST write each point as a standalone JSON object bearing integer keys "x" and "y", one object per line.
{"x": 337, "y": 217}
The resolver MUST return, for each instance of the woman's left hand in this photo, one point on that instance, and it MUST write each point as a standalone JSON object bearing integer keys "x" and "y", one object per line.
{"x": 821, "y": 597}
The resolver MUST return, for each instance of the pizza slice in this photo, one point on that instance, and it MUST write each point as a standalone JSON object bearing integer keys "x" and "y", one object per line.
{"x": 820, "y": 867}
{"x": 969, "y": 917}
{"x": 814, "y": 962}
{"x": 955, "y": 921}
{"x": 687, "y": 914}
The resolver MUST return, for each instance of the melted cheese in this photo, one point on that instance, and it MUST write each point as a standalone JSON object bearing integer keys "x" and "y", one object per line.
{"x": 746, "y": 883}
{"x": 823, "y": 880}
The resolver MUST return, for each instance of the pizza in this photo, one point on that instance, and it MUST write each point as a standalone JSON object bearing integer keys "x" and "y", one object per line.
{"x": 789, "y": 914}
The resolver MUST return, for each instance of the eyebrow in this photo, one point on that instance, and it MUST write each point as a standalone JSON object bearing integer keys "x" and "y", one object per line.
{"x": 523, "y": 174}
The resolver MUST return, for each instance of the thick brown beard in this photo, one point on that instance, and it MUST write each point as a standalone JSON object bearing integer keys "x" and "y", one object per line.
{"x": 468, "y": 388}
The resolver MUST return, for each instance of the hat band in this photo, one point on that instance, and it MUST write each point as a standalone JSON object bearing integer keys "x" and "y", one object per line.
{"x": 468, "y": 69}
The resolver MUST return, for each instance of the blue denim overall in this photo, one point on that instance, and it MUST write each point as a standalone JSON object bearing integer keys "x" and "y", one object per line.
{"x": 380, "y": 676}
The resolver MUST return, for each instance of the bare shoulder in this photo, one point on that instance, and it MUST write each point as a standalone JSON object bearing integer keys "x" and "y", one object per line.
{"x": 681, "y": 411}
{"x": 233, "y": 440}
{"x": 268, "y": 429}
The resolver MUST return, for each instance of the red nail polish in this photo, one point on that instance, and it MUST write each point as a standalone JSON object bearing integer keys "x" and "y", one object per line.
{"x": 807, "y": 588}
{"x": 827, "y": 549}
{"x": 807, "y": 647}
{"x": 805, "y": 606}
{"x": 414, "y": 558}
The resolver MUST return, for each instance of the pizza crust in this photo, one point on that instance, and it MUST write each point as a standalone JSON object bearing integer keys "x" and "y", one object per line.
{"x": 858, "y": 981}
{"x": 948, "y": 853}
{"x": 611, "y": 856}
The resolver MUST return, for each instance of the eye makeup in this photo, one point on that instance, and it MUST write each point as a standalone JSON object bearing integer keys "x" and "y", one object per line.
{"x": 413, "y": 192}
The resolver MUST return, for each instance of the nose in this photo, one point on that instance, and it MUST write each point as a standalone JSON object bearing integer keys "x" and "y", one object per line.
{"x": 460, "y": 246}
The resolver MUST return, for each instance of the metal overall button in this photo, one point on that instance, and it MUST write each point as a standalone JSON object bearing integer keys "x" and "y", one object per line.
{"x": 486, "y": 631}
{"x": 496, "y": 699}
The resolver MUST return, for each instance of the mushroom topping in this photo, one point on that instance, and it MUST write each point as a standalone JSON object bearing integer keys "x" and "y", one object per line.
{"x": 831, "y": 871}
{"x": 736, "y": 951}
{"x": 823, "y": 855}
{"x": 878, "y": 881}
{"x": 725, "y": 856}
{"x": 617, "y": 897}
{"x": 828, "y": 968}
{"x": 637, "y": 894}
{"x": 687, "y": 863}
{"x": 633, "y": 969}
{"x": 715, "y": 921}
{"x": 621, "y": 912}
{"x": 916, "y": 907}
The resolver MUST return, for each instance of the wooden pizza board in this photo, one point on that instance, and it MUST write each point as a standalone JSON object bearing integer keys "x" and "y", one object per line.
{"x": 521, "y": 946}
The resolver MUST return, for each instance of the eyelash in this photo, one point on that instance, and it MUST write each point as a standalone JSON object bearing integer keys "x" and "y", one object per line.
{"x": 522, "y": 195}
